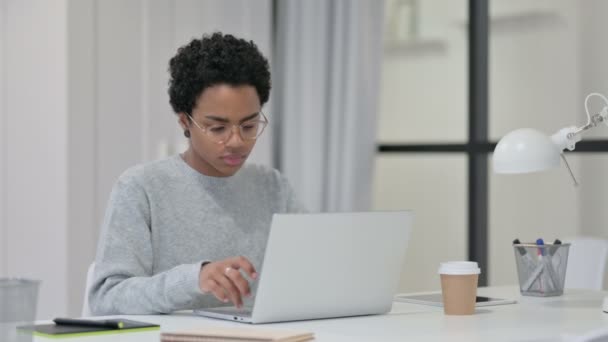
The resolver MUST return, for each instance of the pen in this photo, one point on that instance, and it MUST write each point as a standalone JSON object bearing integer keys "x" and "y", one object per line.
{"x": 532, "y": 278}
{"x": 521, "y": 250}
{"x": 555, "y": 246}
{"x": 549, "y": 261}
{"x": 89, "y": 323}
{"x": 541, "y": 250}
{"x": 541, "y": 247}
{"x": 526, "y": 257}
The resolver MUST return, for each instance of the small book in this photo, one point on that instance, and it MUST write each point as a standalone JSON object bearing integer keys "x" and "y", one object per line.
{"x": 236, "y": 335}
{"x": 59, "y": 331}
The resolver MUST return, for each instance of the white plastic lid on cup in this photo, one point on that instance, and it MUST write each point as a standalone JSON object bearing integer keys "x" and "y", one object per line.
{"x": 459, "y": 268}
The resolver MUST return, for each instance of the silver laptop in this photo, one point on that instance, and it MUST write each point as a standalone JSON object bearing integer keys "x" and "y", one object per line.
{"x": 327, "y": 265}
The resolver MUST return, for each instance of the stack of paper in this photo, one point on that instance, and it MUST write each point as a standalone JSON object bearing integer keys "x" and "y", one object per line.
{"x": 236, "y": 335}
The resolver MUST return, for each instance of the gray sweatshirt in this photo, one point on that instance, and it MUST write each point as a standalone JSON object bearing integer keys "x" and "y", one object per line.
{"x": 164, "y": 219}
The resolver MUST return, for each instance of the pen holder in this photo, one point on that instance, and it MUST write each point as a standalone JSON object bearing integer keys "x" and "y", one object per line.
{"x": 541, "y": 269}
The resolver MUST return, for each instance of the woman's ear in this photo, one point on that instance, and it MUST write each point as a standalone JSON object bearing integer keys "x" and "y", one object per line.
{"x": 183, "y": 121}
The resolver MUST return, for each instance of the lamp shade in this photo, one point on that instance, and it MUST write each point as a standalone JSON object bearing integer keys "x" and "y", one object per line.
{"x": 525, "y": 150}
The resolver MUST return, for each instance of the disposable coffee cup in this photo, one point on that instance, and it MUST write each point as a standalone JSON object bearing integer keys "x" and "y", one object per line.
{"x": 459, "y": 286}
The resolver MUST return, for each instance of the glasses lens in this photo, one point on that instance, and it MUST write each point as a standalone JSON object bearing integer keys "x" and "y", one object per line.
{"x": 252, "y": 130}
{"x": 218, "y": 132}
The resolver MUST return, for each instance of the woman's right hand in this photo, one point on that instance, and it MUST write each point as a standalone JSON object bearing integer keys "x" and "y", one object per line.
{"x": 225, "y": 281}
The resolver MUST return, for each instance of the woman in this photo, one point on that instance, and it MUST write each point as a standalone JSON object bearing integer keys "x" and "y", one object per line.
{"x": 190, "y": 230}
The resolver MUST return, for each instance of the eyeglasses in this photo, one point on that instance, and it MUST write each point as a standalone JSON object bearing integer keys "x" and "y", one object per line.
{"x": 221, "y": 133}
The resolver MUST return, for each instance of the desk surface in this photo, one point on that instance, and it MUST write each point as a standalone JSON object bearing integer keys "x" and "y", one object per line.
{"x": 531, "y": 319}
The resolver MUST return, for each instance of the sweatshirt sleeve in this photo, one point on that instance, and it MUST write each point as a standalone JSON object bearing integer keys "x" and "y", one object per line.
{"x": 123, "y": 281}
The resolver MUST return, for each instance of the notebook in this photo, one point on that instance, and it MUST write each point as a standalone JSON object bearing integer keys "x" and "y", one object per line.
{"x": 236, "y": 335}
{"x": 60, "y": 331}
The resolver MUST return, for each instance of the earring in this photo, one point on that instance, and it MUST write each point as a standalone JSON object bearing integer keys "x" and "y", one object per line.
{"x": 187, "y": 133}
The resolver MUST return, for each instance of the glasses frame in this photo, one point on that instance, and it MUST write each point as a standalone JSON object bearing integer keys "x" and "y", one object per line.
{"x": 205, "y": 129}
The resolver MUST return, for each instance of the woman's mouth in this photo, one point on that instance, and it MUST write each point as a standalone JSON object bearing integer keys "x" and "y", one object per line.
{"x": 233, "y": 159}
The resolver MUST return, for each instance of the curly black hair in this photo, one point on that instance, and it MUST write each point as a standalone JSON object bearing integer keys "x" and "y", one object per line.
{"x": 212, "y": 60}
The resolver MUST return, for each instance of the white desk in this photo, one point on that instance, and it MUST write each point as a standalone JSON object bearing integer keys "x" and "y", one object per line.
{"x": 574, "y": 313}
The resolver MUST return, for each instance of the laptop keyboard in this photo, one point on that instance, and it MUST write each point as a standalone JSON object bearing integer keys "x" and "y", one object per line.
{"x": 231, "y": 310}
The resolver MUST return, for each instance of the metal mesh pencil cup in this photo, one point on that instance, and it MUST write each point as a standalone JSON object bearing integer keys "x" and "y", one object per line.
{"x": 541, "y": 269}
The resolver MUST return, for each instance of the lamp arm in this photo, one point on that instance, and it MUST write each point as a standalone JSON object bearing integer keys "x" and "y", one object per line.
{"x": 567, "y": 137}
{"x": 594, "y": 121}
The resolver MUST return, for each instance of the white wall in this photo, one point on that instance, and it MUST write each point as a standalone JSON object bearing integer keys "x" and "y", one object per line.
{"x": 34, "y": 143}
{"x": 3, "y": 143}
{"x": 423, "y": 95}
{"x": 82, "y": 170}
{"x": 534, "y": 66}
{"x": 85, "y": 96}
{"x": 433, "y": 187}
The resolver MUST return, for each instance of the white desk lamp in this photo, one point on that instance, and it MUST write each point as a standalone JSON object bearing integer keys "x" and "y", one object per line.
{"x": 527, "y": 150}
